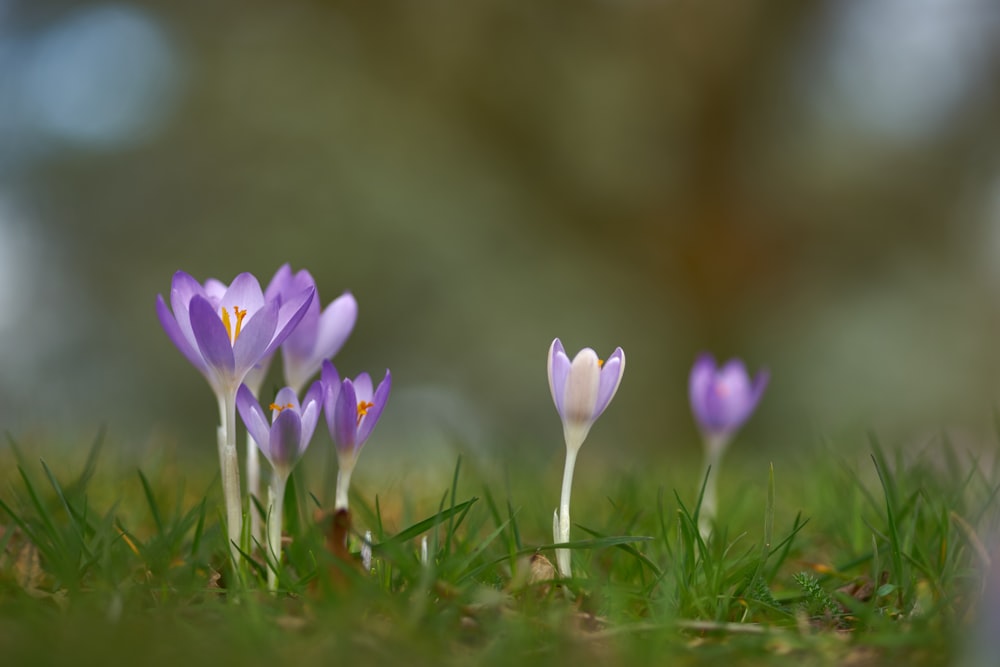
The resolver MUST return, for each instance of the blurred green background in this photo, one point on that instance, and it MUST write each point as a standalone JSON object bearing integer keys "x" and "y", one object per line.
{"x": 813, "y": 186}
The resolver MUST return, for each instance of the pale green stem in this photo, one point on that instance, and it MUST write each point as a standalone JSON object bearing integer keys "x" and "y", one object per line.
{"x": 563, "y": 555}
{"x": 253, "y": 488}
{"x": 714, "y": 448}
{"x": 230, "y": 468}
{"x": 275, "y": 514}
{"x": 343, "y": 486}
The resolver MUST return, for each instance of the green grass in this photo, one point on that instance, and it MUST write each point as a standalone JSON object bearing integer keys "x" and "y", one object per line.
{"x": 875, "y": 559}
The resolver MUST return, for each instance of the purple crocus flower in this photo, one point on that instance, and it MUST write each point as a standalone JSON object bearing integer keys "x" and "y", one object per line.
{"x": 352, "y": 409}
{"x": 225, "y": 331}
{"x": 282, "y": 442}
{"x": 722, "y": 399}
{"x": 582, "y": 388}
{"x": 292, "y": 425}
{"x": 319, "y": 335}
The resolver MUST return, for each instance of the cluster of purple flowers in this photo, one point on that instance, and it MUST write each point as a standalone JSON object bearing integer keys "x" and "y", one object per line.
{"x": 230, "y": 333}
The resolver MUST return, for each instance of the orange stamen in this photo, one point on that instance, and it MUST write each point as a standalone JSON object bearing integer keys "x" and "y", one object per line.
{"x": 600, "y": 363}
{"x": 279, "y": 408}
{"x": 363, "y": 407}
{"x": 239, "y": 314}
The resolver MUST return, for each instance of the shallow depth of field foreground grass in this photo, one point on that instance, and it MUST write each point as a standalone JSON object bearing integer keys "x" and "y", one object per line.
{"x": 832, "y": 558}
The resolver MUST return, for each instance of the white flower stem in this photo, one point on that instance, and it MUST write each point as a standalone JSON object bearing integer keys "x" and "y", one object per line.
{"x": 714, "y": 448}
{"x": 343, "y": 486}
{"x": 275, "y": 515}
{"x": 563, "y": 555}
{"x": 253, "y": 488}
{"x": 230, "y": 467}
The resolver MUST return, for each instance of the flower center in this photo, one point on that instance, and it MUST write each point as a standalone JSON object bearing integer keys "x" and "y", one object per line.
{"x": 600, "y": 363}
{"x": 233, "y": 331}
{"x": 279, "y": 408}
{"x": 363, "y": 407}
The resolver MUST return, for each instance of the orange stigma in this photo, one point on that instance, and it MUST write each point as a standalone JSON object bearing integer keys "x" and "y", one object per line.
{"x": 600, "y": 363}
{"x": 279, "y": 408}
{"x": 363, "y": 407}
{"x": 238, "y": 314}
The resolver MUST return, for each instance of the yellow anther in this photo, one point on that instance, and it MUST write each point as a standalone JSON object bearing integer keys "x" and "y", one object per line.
{"x": 363, "y": 407}
{"x": 600, "y": 363}
{"x": 279, "y": 408}
{"x": 238, "y": 314}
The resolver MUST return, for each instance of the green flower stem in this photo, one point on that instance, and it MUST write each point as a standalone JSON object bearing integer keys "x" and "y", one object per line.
{"x": 275, "y": 514}
{"x": 563, "y": 555}
{"x": 229, "y": 465}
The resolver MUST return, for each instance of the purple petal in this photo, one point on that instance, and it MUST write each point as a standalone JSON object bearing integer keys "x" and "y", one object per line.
{"x": 331, "y": 389}
{"x": 286, "y": 396}
{"x": 335, "y": 325}
{"x": 243, "y": 293}
{"x": 699, "y": 384}
{"x": 378, "y": 401}
{"x": 214, "y": 290}
{"x": 176, "y": 336}
{"x": 558, "y": 367}
{"x": 213, "y": 342}
{"x": 253, "y": 417}
{"x": 363, "y": 388}
{"x": 345, "y": 418}
{"x": 286, "y": 436}
{"x": 182, "y": 288}
{"x": 252, "y": 343}
{"x": 312, "y": 405}
{"x": 611, "y": 377}
{"x": 300, "y": 344}
{"x": 289, "y": 314}
{"x": 276, "y": 287}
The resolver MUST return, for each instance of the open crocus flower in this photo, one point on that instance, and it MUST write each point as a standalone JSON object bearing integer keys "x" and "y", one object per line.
{"x": 352, "y": 409}
{"x": 319, "y": 335}
{"x": 582, "y": 389}
{"x": 224, "y": 331}
{"x": 282, "y": 442}
{"x": 722, "y": 399}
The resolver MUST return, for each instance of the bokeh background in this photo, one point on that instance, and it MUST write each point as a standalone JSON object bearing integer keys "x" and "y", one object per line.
{"x": 813, "y": 186}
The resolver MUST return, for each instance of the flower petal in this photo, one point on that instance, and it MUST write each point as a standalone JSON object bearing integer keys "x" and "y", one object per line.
{"x": 699, "y": 384}
{"x": 335, "y": 325}
{"x": 182, "y": 288}
{"x": 252, "y": 343}
{"x": 581, "y": 388}
{"x": 243, "y": 293}
{"x": 176, "y": 336}
{"x": 282, "y": 277}
{"x": 312, "y": 405}
{"x": 286, "y": 396}
{"x": 253, "y": 417}
{"x": 345, "y": 418}
{"x": 363, "y": 388}
{"x": 289, "y": 314}
{"x": 286, "y": 436}
{"x": 558, "y": 367}
{"x": 378, "y": 400}
{"x": 611, "y": 377}
{"x": 213, "y": 342}
{"x": 331, "y": 390}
